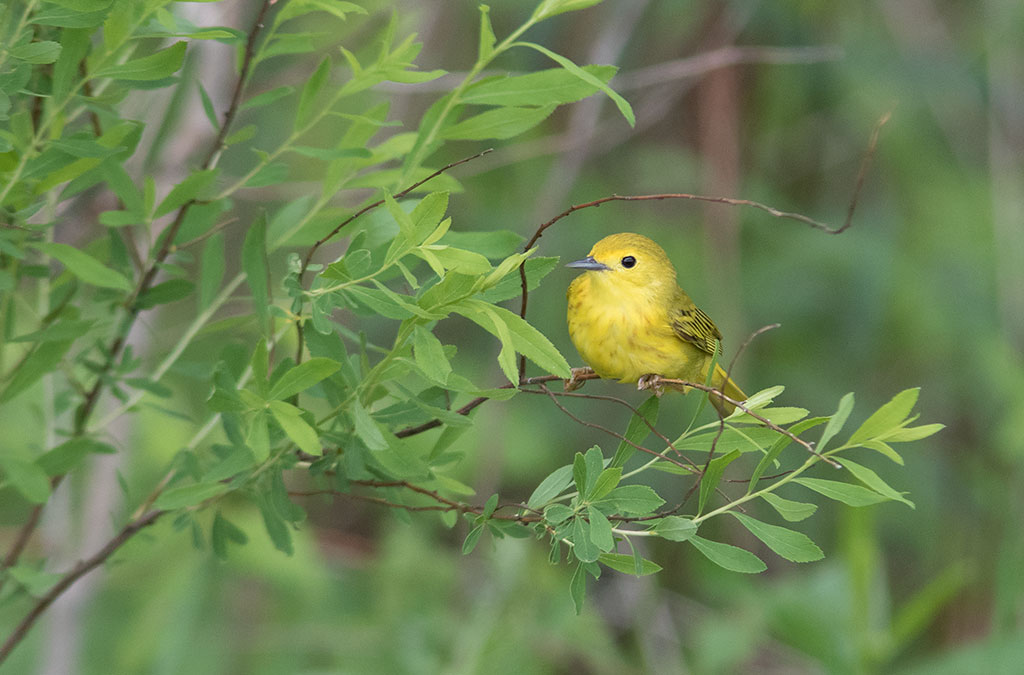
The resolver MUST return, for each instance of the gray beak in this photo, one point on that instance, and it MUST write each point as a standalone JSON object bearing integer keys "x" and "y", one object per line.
{"x": 588, "y": 263}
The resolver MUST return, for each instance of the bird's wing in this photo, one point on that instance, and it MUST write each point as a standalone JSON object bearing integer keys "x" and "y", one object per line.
{"x": 692, "y": 325}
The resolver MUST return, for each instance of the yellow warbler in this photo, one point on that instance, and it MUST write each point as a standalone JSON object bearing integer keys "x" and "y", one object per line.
{"x": 631, "y": 322}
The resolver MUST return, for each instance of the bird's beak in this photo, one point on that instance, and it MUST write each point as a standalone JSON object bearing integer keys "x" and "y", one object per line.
{"x": 588, "y": 263}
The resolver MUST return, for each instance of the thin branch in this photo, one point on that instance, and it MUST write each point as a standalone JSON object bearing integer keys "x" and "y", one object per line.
{"x": 552, "y": 395}
{"x": 723, "y": 57}
{"x": 612, "y": 399}
{"x": 236, "y": 95}
{"x": 300, "y": 342}
{"x": 763, "y": 420}
{"x": 369, "y": 207}
{"x": 88, "y": 406}
{"x": 24, "y": 534}
{"x": 786, "y": 215}
{"x": 82, "y": 568}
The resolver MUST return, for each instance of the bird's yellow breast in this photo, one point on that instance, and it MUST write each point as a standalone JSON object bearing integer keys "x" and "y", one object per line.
{"x": 625, "y": 332}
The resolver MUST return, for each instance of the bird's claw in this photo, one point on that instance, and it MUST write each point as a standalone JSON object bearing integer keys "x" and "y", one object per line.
{"x": 652, "y": 382}
{"x": 576, "y": 380}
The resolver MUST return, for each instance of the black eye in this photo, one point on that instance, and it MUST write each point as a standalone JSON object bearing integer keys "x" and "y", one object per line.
{"x": 628, "y": 261}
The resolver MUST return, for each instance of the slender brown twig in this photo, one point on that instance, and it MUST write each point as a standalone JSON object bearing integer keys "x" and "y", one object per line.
{"x": 300, "y": 346}
{"x": 553, "y": 396}
{"x": 786, "y": 215}
{"x": 113, "y": 352}
{"x": 763, "y": 420}
{"x": 77, "y": 572}
{"x": 369, "y": 207}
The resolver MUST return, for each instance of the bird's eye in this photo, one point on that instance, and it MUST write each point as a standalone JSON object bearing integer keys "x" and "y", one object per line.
{"x": 628, "y": 261}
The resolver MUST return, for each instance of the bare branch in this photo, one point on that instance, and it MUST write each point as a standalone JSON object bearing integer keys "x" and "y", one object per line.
{"x": 82, "y": 568}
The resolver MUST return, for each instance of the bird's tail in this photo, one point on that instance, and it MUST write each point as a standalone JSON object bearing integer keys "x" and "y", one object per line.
{"x": 724, "y": 383}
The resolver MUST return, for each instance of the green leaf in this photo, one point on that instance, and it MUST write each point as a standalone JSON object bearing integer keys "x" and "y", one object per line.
{"x": 713, "y": 476}
{"x": 499, "y": 123}
{"x": 303, "y": 376}
{"x": 267, "y": 97}
{"x": 579, "y": 473}
{"x": 526, "y": 339}
{"x": 35, "y": 52}
{"x": 458, "y": 260}
{"x": 222, "y": 532}
{"x": 153, "y": 67}
{"x": 632, "y": 500}
{"x": 36, "y": 582}
{"x": 792, "y": 511}
{"x": 625, "y": 564}
{"x": 258, "y": 438}
{"x": 547, "y": 87}
{"x": 165, "y": 293}
{"x": 254, "y": 264}
{"x": 606, "y": 481}
{"x": 471, "y": 539}
{"x": 552, "y": 486}
{"x": 84, "y": 266}
{"x": 211, "y": 270}
{"x": 906, "y": 434}
{"x": 730, "y": 557}
{"x": 384, "y": 304}
{"x": 366, "y": 428}
{"x": 637, "y": 430}
{"x": 44, "y": 359}
{"x": 69, "y": 17}
{"x": 600, "y": 529}
{"x": 778, "y": 446}
{"x": 28, "y": 478}
{"x": 589, "y": 78}
{"x": 429, "y": 354}
{"x": 764, "y": 397}
{"x": 487, "y": 39}
{"x": 277, "y": 528}
{"x": 69, "y": 454}
{"x": 490, "y": 506}
{"x": 854, "y": 495}
{"x": 187, "y": 190}
{"x": 557, "y": 513}
{"x": 189, "y": 495}
{"x": 675, "y": 528}
{"x": 789, "y": 544}
{"x": 874, "y": 482}
{"x": 887, "y": 418}
{"x": 577, "y": 587}
{"x": 310, "y": 93}
{"x": 550, "y": 8}
{"x": 271, "y": 174}
{"x": 595, "y": 465}
{"x": 835, "y": 424}
{"x": 883, "y": 448}
{"x": 289, "y": 418}
{"x": 584, "y": 547}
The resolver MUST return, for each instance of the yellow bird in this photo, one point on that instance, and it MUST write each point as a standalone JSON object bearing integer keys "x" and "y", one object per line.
{"x": 631, "y": 322}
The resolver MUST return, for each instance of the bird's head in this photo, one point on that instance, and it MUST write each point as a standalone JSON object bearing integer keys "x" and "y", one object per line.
{"x": 627, "y": 259}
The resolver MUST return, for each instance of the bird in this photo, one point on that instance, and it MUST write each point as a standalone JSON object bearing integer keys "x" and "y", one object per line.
{"x": 631, "y": 322}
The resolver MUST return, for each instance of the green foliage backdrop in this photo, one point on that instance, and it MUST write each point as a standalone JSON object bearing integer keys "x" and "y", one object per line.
{"x": 273, "y": 403}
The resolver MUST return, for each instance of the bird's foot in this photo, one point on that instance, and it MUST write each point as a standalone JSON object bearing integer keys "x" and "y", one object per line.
{"x": 577, "y": 378}
{"x": 651, "y": 381}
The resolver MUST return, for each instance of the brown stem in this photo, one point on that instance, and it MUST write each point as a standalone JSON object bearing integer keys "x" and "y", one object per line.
{"x": 88, "y": 405}
{"x": 82, "y": 568}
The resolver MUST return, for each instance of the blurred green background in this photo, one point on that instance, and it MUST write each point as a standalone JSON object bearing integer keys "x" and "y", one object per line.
{"x": 770, "y": 101}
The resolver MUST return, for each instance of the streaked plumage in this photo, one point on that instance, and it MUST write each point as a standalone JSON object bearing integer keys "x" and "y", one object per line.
{"x": 630, "y": 320}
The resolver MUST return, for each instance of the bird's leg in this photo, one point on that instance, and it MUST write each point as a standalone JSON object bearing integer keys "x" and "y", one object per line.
{"x": 651, "y": 381}
{"x": 577, "y": 379}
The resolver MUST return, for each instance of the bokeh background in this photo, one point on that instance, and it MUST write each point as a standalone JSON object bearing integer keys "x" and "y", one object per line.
{"x": 770, "y": 101}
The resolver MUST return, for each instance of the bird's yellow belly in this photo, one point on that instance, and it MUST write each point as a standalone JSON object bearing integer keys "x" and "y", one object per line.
{"x": 626, "y": 343}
